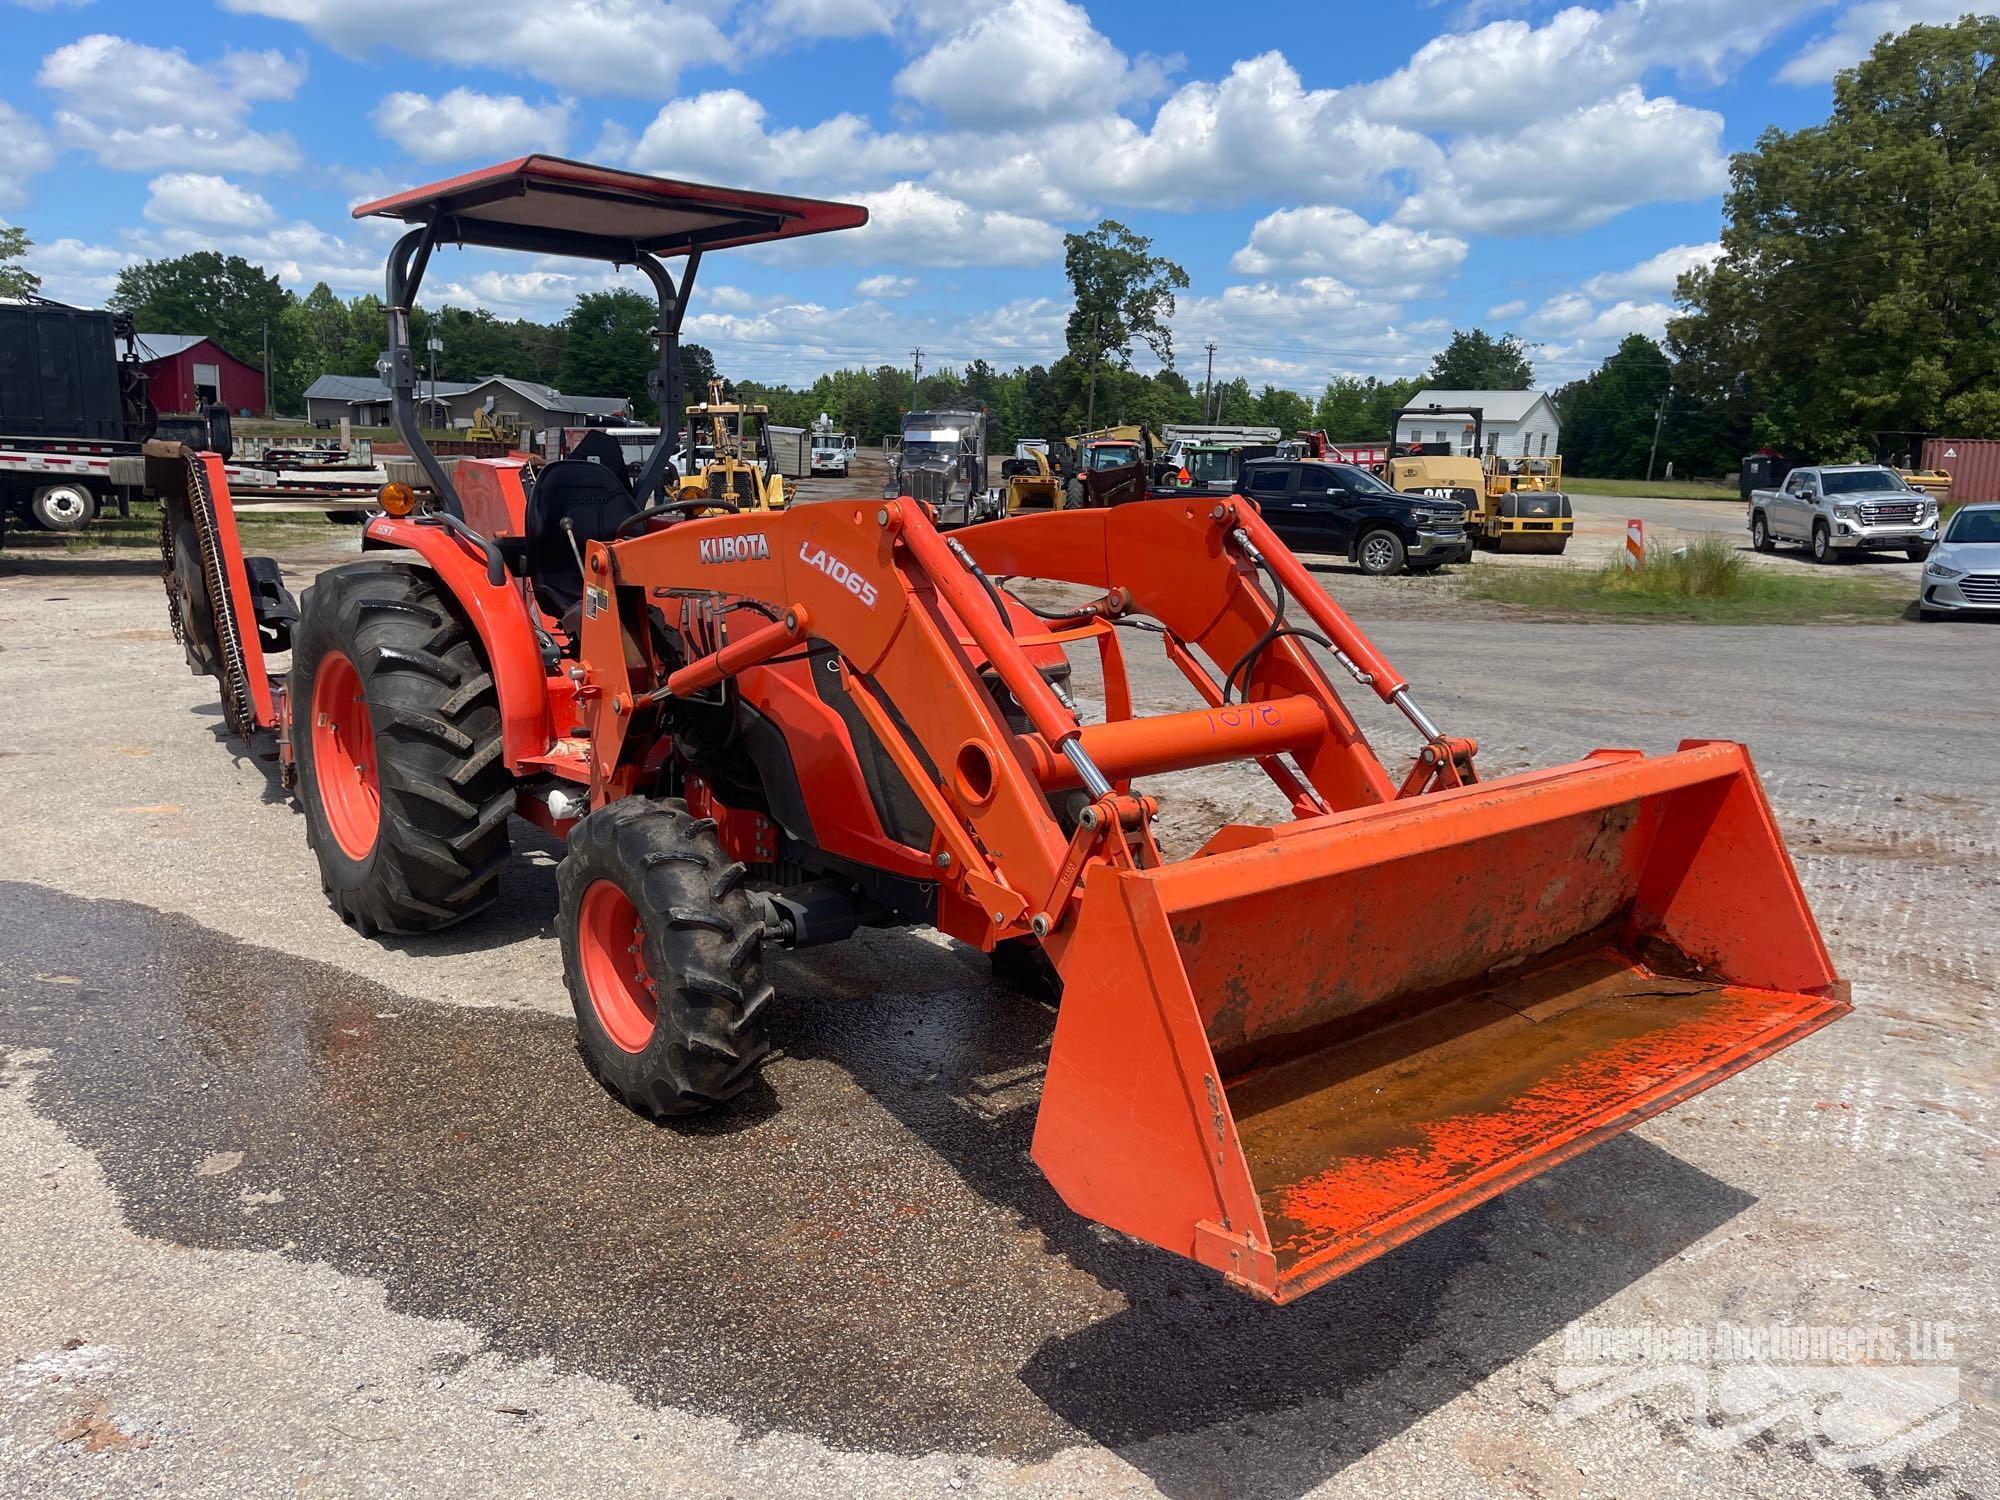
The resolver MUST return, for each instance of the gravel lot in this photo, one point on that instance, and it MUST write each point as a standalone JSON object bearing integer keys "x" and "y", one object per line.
{"x": 289, "y": 1212}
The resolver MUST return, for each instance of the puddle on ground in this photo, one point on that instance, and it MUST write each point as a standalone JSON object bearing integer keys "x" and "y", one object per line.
{"x": 862, "y": 1252}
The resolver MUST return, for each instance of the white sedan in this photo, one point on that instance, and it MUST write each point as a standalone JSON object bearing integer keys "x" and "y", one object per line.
{"x": 1962, "y": 573}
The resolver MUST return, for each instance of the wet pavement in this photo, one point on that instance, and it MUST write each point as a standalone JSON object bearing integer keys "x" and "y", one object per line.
{"x": 898, "y": 1279}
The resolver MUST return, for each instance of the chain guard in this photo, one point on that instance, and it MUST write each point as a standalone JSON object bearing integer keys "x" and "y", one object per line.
{"x": 199, "y": 606}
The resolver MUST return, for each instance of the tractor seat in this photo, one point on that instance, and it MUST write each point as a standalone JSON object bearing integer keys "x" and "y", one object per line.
{"x": 596, "y": 502}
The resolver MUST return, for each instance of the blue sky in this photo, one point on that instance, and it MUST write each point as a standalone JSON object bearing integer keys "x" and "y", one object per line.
{"x": 1344, "y": 183}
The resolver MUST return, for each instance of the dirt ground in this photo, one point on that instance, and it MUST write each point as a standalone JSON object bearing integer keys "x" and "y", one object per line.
{"x": 291, "y": 1212}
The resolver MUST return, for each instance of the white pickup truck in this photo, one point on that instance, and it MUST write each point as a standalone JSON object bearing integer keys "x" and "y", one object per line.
{"x": 1836, "y": 511}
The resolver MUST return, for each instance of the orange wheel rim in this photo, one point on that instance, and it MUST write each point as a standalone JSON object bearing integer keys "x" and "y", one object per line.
{"x": 611, "y": 944}
{"x": 343, "y": 740}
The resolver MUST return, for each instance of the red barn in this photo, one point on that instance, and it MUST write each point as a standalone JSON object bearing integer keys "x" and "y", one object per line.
{"x": 189, "y": 371}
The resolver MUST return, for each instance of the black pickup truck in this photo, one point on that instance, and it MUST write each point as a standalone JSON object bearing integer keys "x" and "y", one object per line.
{"x": 1327, "y": 507}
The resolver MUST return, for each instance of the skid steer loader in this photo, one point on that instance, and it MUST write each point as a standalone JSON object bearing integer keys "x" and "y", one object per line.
{"x": 1301, "y": 1046}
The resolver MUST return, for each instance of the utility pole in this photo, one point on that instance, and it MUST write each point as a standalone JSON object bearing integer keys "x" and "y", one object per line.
{"x": 434, "y": 345}
{"x": 1208, "y": 383}
{"x": 1090, "y": 407}
{"x": 916, "y": 374}
{"x": 1659, "y": 420}
{"x": 267, "y": 371}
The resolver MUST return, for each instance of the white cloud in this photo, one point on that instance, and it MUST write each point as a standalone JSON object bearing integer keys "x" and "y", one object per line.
{"x": 721, "y": 134}
{"x": 1339, "y": 242}
{"x": 916, "y": 225}
{"x": 467, "y": 124}
{"x": 1577, "y": 327}
{"x": 77, "y": 272}
{"x": 885, "y": 286}
{"x": 1510, "y": 73}
{"x": 1259, "y": 133}
{"x": 1297, "y": 334}
{"x": 585, "y": 46}
{"x": 24, "y": 151}
{"x": 189, "y": 116}
{"x": 1574, "y": 317}
{"x": 781, "y": 20}
{"x": 196, "y": 198}
{"x": 1488, "y": 77}
{"x": 1027, "y": 60}
{"x": 1579, "y": 171}
{"x": 1506, "y": 310}
{"x": 1657, "y": 275}
{"x": 1857, "y": 30}
{"x": 48, "y": 5}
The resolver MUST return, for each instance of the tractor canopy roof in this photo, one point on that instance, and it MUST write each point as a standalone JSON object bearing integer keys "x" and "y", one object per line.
{"x": 551, "y": 206}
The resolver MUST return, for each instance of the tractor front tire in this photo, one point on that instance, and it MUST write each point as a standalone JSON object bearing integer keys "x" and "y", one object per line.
{"x": 396, "y": 734}
{"x": 663, "y": 956}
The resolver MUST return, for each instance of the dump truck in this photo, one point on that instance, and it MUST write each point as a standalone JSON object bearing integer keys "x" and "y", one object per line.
{"x": 74, "y": 412}
{"x": 941, "y": 461}
{"x": 1308, "y": 1042}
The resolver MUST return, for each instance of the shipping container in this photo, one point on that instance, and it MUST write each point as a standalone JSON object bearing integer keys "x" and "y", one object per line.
{"x": 59, "y": 374}
{"x": 1973, "y": 463}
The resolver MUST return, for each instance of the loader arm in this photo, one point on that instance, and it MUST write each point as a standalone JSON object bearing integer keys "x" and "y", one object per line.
{"x": 907, "y": 614}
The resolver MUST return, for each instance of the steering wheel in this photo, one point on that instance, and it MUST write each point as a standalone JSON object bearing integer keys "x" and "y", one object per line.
{"x": 698, "y": 502}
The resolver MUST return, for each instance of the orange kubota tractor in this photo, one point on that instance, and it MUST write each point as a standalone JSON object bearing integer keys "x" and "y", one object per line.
{"x": 1282, "y": 1056}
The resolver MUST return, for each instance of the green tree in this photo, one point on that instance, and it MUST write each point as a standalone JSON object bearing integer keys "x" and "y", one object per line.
{"x": 16, "y": 280}
{"x": 223, "y": 298}
{"x": 1124, "y": 295}
{"x": 1356, "y": 409}
{"x": 1284, "y": 409}
{"x": 608, "y": 347}
{"x": 1608, "y": 417}
{"x": 1476, "y": 361}
{"x": 1859, "y": 285}
{"x": 697, "y": 370}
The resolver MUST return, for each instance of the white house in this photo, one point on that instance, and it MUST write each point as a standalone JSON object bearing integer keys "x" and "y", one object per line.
{"x": 1518, "y": 424}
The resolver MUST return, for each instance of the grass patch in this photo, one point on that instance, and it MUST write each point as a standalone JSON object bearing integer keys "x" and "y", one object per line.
{"x": 1670, "y": 489}
{"x": 142, "y": 530}
{"x": 1709, "y": 582}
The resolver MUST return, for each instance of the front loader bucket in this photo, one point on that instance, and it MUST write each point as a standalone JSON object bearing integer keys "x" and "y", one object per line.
{"x": 1311, "y": 1043}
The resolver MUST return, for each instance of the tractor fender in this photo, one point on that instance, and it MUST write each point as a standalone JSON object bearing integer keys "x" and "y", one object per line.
{"x": 499, "y": 616}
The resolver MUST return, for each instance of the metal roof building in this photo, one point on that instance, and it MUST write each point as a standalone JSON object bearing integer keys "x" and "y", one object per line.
{"x": 365, "y": 400}
{"x": 1519, "y": 424}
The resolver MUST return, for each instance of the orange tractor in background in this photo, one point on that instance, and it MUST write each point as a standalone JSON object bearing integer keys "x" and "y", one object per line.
{"x": 1281, "y": 1056}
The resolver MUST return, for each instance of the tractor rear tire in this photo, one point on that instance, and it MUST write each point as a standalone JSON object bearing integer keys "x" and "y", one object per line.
{"x": 663, "y": 956}
{"x": 396, "y": 733}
